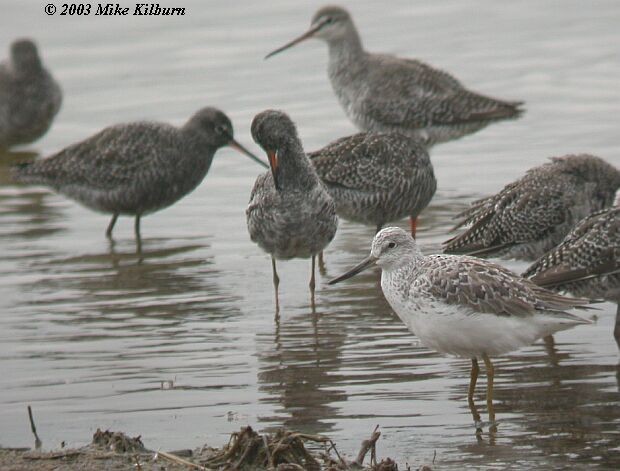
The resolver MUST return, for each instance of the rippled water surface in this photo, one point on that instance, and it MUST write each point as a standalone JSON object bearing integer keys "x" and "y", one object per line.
{"x": 89, "y": 332}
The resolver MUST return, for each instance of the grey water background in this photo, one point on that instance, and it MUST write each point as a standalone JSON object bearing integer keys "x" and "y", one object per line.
{"x": 88, "y": 334}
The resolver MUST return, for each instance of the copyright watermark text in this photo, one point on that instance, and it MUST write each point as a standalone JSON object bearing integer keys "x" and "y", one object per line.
{"x": 112, "y": 9}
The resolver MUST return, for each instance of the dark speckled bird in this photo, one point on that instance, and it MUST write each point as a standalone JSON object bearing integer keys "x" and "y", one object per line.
{"x": 532, "y": 215}
{"x": 381, "y": 92}
{"x": 290, "y": 214}
{"x": 587, "y": 262}
{"x": 29, "y": 96}
{"x": 136, "y": 168}
{"x": 376, "y": 178}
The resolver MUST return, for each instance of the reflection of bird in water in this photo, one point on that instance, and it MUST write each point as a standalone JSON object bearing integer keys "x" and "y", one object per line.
{"x": 298, "y": 372}
{"x": 377, "y": 178}
{"x": 163, "y": 286}
{"x": 464, "y": 306}
{"x": 533, "y": 214}
{"x": 380, "y": 92}
{"x": 136, "y": 168}
{"x": 290, "y": 214}
{"x": 29, "y": 96}
{"x": 586, "y": 262}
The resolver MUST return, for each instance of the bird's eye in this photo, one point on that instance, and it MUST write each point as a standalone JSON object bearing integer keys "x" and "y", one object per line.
{"x": 221, "y": 129}
{"x": 391, "y": 245}
{"x": 328, "y": 20}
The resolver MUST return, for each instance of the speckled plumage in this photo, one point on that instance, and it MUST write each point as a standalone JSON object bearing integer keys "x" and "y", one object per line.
{"x": 462, "y": 305}
{"x": 381, "y": 92}
{"x": 290, "y": 214}
{"x": 376, "y": 178}
{"x": 449, "y": 300}
{"x": 134, "y": 168}
{"x": 298, "y": 219}
{"x": 587, "y": 262}
{"x": 29, "y": 96}
{"x": 532, "y": 215}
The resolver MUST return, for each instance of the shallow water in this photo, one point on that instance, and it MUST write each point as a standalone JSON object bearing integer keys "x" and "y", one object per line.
{"x": 89, "y": 332}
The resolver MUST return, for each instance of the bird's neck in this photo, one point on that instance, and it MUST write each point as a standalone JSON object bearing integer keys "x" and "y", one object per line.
{"x": 295, "y": 170}
{"x": 345, "y": 51}
{"x": 205, "y": 149}
{"x": 406, "y": 266}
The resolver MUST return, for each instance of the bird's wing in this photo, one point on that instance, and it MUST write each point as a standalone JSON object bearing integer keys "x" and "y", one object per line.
{"x": 485, "y": 287}
{"x": 371, "y": 162}
{"x": 525, "y": 211}
{"x": 590, "y": 250}
{"x": 109, "y": 159}
{"x": 412, "y": 94}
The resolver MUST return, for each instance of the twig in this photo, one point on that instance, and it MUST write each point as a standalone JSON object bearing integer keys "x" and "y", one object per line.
{"x": 332, "y": 446}
{"x": 52, "y": 455}
{"x": 37, "y": 440}
{"x": 368, "y": 445}
{"x": 181, "y": 461}
{"x": 269, "y": 455}
{"x": 137, "y": 460}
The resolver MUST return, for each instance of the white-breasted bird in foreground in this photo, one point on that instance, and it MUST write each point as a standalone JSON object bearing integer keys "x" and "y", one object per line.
{"x": 464, "y": 306}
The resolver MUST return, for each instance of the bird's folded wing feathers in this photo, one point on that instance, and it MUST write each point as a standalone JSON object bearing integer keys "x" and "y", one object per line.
{"x": 490, "y": 288}
{"x": 366, "y": 163}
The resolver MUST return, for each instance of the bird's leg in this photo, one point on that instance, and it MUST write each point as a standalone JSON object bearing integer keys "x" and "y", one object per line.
{"x": 549, "y": 341}
{"x": 108, "y": 232}
{"x": 322, "y": 269}
{"x": 490, "y": 375}
{"x": 136, "y": 229}
{"x": 276, "y": 284}
{"x": 617, "y": 326}
{"x": 473, "y": 378}
{"x": 414, "y": 225}
{"x": 550, "y": 348}
{"x": 470, "y": 395}
{"x": 312, "y": 282}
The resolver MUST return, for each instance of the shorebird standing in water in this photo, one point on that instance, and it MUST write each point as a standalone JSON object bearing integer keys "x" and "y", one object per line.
{"x": 137, "y": 168}
{"x": 377, "y": 178}
{"x": 533, "y": 214}
{"x": 587, "y": 262}
{"x": 290, "y": 214}
{"x": 381, "y": 92}
{"x": 29, "y": 96}
{"x": 464, "y": 306}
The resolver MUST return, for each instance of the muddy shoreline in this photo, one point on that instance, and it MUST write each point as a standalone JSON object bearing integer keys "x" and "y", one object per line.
{"x": 283, "y": 450}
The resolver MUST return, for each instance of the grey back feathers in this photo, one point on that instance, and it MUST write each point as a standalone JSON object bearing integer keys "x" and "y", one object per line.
{"x": 381, "y": 92}
{"x": 134, "y": 168}
{"x": 587, "y": 261}
{"x": 468, "y": 282}
{"x": 376, "y": 178}
{"x": 298, "y": 217}
{"x": 533, "y": 214}
{"x": 29, "y": 96}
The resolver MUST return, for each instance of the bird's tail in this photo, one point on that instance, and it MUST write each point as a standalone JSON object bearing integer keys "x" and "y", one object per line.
{"x": 26, "y": 172}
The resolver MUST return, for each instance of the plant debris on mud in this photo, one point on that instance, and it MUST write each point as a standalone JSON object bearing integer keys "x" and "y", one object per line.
{"x": 283, "y": 450}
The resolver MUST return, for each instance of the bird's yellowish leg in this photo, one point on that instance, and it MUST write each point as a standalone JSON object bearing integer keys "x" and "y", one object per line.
{"x": 490, "y": 376}
{"x": 470, "y": 395}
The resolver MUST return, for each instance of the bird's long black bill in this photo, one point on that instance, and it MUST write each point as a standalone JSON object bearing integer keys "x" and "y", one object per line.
{"x": 303, "y": 37}
{"x": 360, "y": 267}
{"x": 235, "y": 145}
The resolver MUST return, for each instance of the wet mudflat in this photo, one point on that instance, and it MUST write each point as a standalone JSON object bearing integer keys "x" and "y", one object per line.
{"x": 89, "y": 331}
